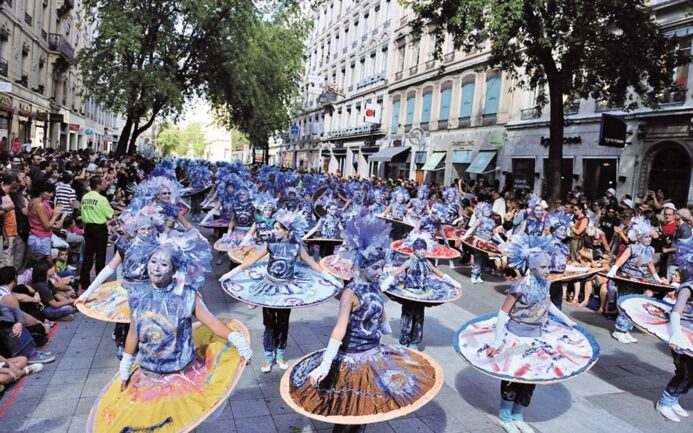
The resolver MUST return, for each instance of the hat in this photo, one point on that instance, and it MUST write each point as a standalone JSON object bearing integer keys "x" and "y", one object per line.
{"x": 91, "y": 167}
{"x": 629, "y": 203}
{"x": 669, "y": 206}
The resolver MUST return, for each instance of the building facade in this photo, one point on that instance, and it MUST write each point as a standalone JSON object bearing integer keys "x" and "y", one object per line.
{"x": 470, "y": 122}
{"x": 42, "y": 99}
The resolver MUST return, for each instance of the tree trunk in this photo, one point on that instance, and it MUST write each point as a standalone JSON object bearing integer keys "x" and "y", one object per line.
{"x": 265, "y": 154}
{"x": 124, "y": 138}
{"x": 133, "y": 137}
{"x": 553, "y": 167}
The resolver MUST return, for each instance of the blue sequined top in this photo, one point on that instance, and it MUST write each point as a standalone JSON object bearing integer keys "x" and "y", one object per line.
{"x": 452, "y": 212}
{"x": 163, "y": 324}
{"x": 282, "y": 257}
{"x": 329, "y": 227}
{"x": 397, "y": 210}
{"x": 640, "y": 257}
{"x": 559, "y": 253}
{"x": 418, "y": 207}
{"x": 428, "y": 225}
{"x": 377, "y": 208}
{"x": 534, "y": 227}
{"x": 263, "y": 228}
{"x": 485, "y": 229}
{"x": 244, "y": 214}
{"x": 416, "y": 274}
{"x": 531, "y": 311}
{"x": 363, "y": 329}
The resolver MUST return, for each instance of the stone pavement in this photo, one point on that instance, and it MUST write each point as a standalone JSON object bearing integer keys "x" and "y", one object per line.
{"x": 615, "y": 396}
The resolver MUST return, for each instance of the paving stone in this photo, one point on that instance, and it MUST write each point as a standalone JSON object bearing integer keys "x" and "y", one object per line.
{"x": 249, "y": 408}
{"x": 52, "y": 425}
{"x": 48, "y": 409}
{"x": 257, "y": 424}
{"x": 292, "y": 423}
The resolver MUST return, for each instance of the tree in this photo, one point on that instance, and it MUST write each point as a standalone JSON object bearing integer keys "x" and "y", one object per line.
{"x": 147, "y": 56}
{"x": 254, "y": 92}
{"x": 604, "y": 49}
{"x": 172, "y": 139}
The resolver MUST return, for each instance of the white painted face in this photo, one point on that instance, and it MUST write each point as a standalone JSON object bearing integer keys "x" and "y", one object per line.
{"x": 487, "y": 212}
{"x": 420, "y": 194}
{"x": 332, "y": 209}
{"x": 374, "y": 272}
{"x": 164, "y": 195}
{"x": 145, "y": 232}
{"x": 400, "y": 198}
{"x": 560, "y": 233}
{"x": 267, "y": 212}
{"x": 279, "y": 231}
{"x": 160, "y": 268}
{"x": 541, "y": 272}
{"x": 646, "y": 240}
{"x": 538, "y": 212}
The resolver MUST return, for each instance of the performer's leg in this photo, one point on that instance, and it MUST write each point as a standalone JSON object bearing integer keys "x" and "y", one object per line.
{"x": 556, "y": 292}
{"x": 120, "y": 333}
{"x": 339, "y": 428}
{"x": 281, "y": 335}
{"x": 668, "y": 403}
{"x": 623, "y": 324}
{"x": 417, "y": 325}
{"x": 405, "y": 323}
{"x": 268, "y": 342}
{"x": 476, "y": 266}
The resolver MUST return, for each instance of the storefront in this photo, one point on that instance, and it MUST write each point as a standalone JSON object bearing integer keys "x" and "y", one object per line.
{"x": 41, "y": 134}
{"x": 6, "y": 114}
{"x": 395, "y": 162}
{"x": 460, "y": 162}
{"x": 435, "y": 168}
{"x": 24, "y": 122}
{"x": 523, "y": 174}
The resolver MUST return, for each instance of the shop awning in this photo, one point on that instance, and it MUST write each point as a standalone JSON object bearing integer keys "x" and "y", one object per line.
{"x": 386, "y": 154}
{"x": 482, "y": 160}
{"x": 432, "y": 163}
{"x": 462, "y": 157}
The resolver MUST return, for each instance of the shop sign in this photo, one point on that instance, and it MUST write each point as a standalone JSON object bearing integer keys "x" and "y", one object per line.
{"x": 545, "y": 141}
{"x": 88, "y": 131}
{"x": 495, "y": 139}
{"x": 6, "y": 87}
{"x": 463, "y": 144}
{"x": 41, "y": 116}
{"x": 6, "y": 103}
{"x": 74, "y": 127}
{"x": 56, "y": 117}
{"x": 24, "y": 109}
{"x": 612, "y": 131}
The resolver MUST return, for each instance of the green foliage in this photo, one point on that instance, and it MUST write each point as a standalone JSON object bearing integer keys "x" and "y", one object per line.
{"x": 172, "y": 139}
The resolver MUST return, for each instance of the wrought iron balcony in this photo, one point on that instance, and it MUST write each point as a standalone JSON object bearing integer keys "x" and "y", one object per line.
{"x": 674, "y": 97}
{"x": 571, "y": 107}
{"x": 28, "y": 18}
{"x": 529, "y": 114}
{"x": 3, "y": 67}
{"x": 64, "y": 6}
{"x": 57, "y": 42}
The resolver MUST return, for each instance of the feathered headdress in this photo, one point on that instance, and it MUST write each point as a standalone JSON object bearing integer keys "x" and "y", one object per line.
{"x": 191, "y": 255}
{"x": 294, "y": 221}
{"x": 451, "y": 194}
{"x": 400, "y": 191}
{"x": 366, "y": 240}
{"x": 639, "y": 228}
{"x": 423, "y": 189}
{"x": 525, "y": 251}
{"x": 439, "y": 210}
{"x": 225, "y": 179}
{"x": 165, "y": 168}
{"x": 481, "y": 207}
{"x": 199, "y": 175}
{"x": 683, "y": 257}
{"x": 534, "y": 200}
{"x": 146, "y": 192}
{"x": 558, "y": 219}
{"x": 130, "y": 221}
{"x": 265, "y": 200}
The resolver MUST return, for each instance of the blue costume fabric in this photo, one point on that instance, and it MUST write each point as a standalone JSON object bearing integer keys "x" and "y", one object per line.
{"x": 329, "y": 227}
{"x": 559, "y": 253}
{"x": 531, "y": 311}
{"x": 163, "y": 323}
{"x": 636, "y": 266}
{"x": 397, "y": 210}
{"x": 452, "y": 212}
{"x": 534, "y": 227}
{"x": 263, "y": 228}
{"x": 418, "y": 208}
{"x": 244, "y": 214}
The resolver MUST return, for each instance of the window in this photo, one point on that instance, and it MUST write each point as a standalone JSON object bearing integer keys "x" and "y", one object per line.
{"x": 395, "y": 116}
{"x": 401, "y": 53}
{"x": 467, "y": 99}
{"x": 444, "y": 113}
{"x": 411, "y": 100}
{"x": 415, "y": 58}
{"x": 492, "y": 95}
{"x": 363, "y": 68}
{"x": 426, "y": 107}
{"x": 371, "y": 64}
{"x": 383, "y": 60}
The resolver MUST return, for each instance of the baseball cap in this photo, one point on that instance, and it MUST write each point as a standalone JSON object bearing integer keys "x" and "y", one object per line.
{"x": 628, "y": 202}
{"x": 612, "y": 191}
{"x": 669, "y": 206}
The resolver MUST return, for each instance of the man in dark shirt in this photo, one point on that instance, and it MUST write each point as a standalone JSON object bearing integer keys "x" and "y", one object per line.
{"x": 607, "y": 224}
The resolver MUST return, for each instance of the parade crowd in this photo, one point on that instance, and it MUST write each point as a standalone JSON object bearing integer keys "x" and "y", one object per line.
{"x": 295, "y": 240}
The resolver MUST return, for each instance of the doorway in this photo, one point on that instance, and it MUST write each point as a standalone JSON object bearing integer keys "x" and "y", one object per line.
{"x": 671, "y": 172}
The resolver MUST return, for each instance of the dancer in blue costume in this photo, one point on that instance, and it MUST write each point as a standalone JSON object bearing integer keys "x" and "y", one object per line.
{"x": 132, "y": 251}
{"x": 417, "y": 275}
{"x": 328, "y": 227}
{"x": 681, "y": 317}
{"x": 635, "y": 261}
{"x": 398, "y": 206}
{"x": 261, "y": 229}
{"x": 453, "y": 210}
{"x": 418, "y": 207}
{"x": 378, "y": 206}
{"x": 162, "y": 308}
{"x": 533, "y": 225}
{"x": 482, "y": 228}
{"x": 284, "y": 248}
{"x": 357, "y": 380}
{"x": 559, "y": 223}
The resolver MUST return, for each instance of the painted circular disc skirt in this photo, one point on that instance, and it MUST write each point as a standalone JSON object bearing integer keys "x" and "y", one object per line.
{"x": 559, "y": 354}
{"x": 108, "y": 303}
{"x": 255, "y": 287}
{"x": 220, "y": 223}
{"x": 362, "y": 388}
{"x": 338, "y": 266}
{"x": 487, "y": 247}
{"x": 176, "y": 402}
{"x": 238, "y": 255}
{"x": 651, "y": 315}
{"x": 437, "y": 252}
{"x": 435, "y": 292}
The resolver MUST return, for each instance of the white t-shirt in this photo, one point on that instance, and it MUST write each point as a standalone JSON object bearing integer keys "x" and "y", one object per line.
{"x": 499, "y": 207}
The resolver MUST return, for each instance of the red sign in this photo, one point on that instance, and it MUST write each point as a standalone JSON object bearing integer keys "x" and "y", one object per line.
{"x": 73, "y": 127}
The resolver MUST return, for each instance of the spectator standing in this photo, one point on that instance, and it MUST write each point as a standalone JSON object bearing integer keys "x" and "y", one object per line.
{"x": 96, "y": 211}
{"x": 65, "y": 195}
{"x": 499, "y": 207}
{"x": 42, "y": 219}
{"x": 9, "y": 221}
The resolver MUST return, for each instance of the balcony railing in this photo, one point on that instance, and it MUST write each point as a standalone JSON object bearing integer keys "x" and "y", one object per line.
{"x": 380, "y": 76}
{"x": 28, "y": 18}
{"x": 489, "y": 119}
{"x": 3, "y": 67}
{"x": 413, "y": 69}
{"x": 529, "y": 114}
{"x": 674, "y": 97}
{"x": 398, "y": 75}
{"x": 356, "y": 130}
{"x": 57, "y": 42}
{"x": 465, "y": 121}
{"x": 571, "y": 107}
{"x": 449, "y": 57}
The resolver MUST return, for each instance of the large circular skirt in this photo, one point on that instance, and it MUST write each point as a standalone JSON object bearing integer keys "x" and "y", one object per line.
{"x": 108, "y": 303}
{"x": 231, "y": 240}
{"x": 240, "y": 254}
{"x": 560, "y": 354}
{"x": 397, "y": 222}
{"x": 378, "y": 385}
{"x": 220, "y": 223}
{"x": 172, "y": 403}
{"x": 196, "y": 191}
{"x": 452, "y": 233}
{"x": 338, "y": 266}
{"x": 651, "y": 315}
{"x": 436, "y": 292}
{"x": 255, "y": 287}
{"x": 487, "y": 247}
{"x": 645, "y": 283}
{"x": 438, "y": 252}
{"x": 568, "y": 276}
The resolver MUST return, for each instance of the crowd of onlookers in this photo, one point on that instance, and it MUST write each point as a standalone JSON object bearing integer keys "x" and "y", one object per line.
{"x": 44, "y": 244}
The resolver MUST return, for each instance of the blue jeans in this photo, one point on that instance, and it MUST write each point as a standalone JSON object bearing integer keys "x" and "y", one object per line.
{"x": 53, "y": 313}
{"x": 21, "y": 345}
{"x": 681, "y": 383}
{"x": 276, "y": 323}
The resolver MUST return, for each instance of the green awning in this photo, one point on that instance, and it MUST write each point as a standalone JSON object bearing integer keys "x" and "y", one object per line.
{"x": 482, "y": 160}
{"x": 432, "y": 163}
{"x": 462, "y": 157}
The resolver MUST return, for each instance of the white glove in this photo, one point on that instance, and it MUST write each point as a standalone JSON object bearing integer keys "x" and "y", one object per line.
{"x": 247, "y": 240}
{"x": 385, "y": 328}
{"x": 457, "y": 221}
{"x": 448, "y": 279}
{"x": 241, "y": 344}
{"x": 387, "y": 282}
{"x": 466, "y": 235}
{"x": 657, "y": 278}
{"x": 231, "y": 273}
{"x": 560, "y": 315}
{"x": 612, "y": 271}
{"x": 327, "y": 357}
{"x": 501, "y": 321}
{"x": 105, "y": 273}
{"x": 331, "y": 278}
{"x": 675, "y": 334}
{"x": 125, "y": 367}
